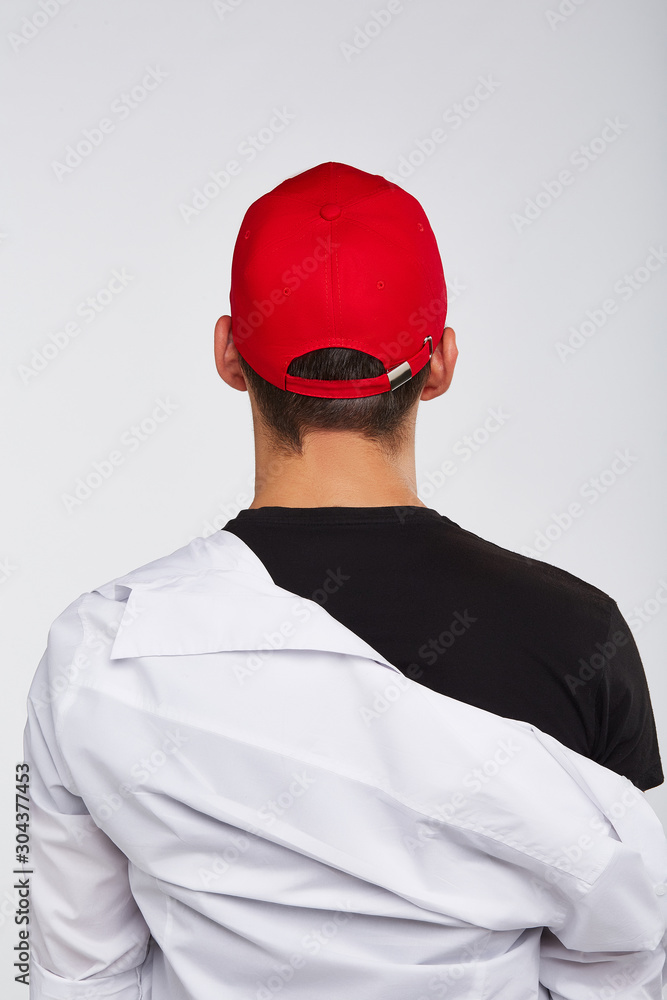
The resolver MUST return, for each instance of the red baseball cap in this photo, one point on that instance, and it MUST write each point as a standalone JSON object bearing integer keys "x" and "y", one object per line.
{"x": 336, "y": 257}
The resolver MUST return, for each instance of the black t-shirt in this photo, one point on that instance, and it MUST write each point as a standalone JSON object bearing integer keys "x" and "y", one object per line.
{"x": 474, "y": 621}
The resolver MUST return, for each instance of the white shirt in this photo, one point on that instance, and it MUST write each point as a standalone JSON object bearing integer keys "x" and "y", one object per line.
{"x": 234, "y": 797}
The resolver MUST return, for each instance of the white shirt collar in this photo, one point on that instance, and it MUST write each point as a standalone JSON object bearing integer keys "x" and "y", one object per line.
{"x": 180, "y": 604}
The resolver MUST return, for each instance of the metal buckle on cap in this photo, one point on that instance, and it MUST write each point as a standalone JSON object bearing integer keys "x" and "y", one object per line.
{"x": 400, "y": 374}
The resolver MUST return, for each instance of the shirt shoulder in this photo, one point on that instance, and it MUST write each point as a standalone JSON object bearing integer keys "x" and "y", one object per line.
{"x": 531, "y": 594}
{"x": 91, "y": 620}
{"x": 195, "y": 557}
{"x": 505, "y": 562}
{"x": 582, "y": 635}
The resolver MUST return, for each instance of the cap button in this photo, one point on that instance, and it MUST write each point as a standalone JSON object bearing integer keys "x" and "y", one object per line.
{"x": 330, "y": 212}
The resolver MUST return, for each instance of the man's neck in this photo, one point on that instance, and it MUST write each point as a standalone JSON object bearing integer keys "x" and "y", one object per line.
{"x": 336, "y": 469}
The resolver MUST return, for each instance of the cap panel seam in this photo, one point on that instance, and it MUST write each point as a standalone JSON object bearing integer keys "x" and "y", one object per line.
{"x": 336, "y": 312}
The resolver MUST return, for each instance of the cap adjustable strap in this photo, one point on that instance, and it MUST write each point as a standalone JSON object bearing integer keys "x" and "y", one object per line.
{"x": 403, "y": 372}
{"x": 354, "y": 387}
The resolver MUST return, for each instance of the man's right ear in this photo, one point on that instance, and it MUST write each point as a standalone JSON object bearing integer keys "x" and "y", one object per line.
{"x": 443, "y": 362}
{"x": 227, "y": 356}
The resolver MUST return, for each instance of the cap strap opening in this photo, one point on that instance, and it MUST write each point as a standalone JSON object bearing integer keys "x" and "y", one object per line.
{"x": 354, "y": 387}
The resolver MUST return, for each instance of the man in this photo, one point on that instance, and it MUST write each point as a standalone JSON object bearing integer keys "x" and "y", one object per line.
{"x": 336, "y": 485}
{"x": 342, "y": 747}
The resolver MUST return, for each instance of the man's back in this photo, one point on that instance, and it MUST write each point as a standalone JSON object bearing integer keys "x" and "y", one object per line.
{"x": 477, "y": 622}
{"x": 223, "y": 774}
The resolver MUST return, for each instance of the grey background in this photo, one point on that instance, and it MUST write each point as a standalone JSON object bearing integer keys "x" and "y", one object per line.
{"x": 555, "y": 71}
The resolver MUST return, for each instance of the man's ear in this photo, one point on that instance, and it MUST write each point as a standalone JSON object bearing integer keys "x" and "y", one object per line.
{"x": 443, "y": 362}
{"x": 227, "y": 356}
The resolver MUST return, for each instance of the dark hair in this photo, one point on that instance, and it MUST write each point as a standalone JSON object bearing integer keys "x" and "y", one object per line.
{"x": 381, "y": 418}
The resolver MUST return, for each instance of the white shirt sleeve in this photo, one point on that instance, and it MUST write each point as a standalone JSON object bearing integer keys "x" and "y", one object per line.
{"x": 612, "y": 941}
{"x": 87, "y": 935}
{"x": 610, "y": 924}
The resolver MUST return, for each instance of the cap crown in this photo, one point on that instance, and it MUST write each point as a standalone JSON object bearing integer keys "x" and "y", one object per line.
{"x": 336, "y": 257}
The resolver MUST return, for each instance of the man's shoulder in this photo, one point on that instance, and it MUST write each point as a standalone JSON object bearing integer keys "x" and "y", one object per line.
{"x": 194, "y": 557}
{"x": 108, "y": 599}
{"x": 88, "y": 625}
{"x": 517, "y": 575}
